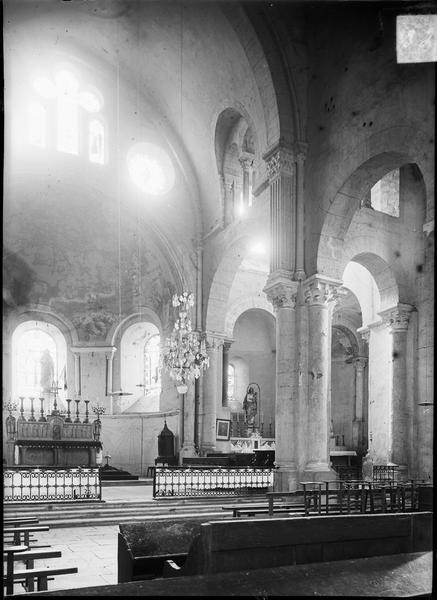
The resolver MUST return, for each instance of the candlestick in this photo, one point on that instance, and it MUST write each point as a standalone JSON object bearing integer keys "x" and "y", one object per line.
{"x": 86, "y": 411}
{"x": 21, "y": 417}
{"x": 77, "y": 420}
{"x": 68, "y": 417}
{"x": 32, "y": 412}
{"x": 42, "y": 418}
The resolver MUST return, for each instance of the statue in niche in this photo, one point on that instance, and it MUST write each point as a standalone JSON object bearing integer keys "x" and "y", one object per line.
{"x": 47, "y": 371}
{"x": 250, "y": 405}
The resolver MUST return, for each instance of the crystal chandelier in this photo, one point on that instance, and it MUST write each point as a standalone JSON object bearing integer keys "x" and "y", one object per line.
{"x": 184, "y": 356}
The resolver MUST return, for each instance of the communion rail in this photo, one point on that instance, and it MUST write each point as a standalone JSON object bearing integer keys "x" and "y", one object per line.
{"x": 52, "y": 484}
{"x": 210, "y": 481}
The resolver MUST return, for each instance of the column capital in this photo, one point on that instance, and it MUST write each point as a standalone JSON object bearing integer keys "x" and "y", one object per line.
{"x": 279, "y": 160}
{"x": 281, "y": 290}
{"x": 365, "y": 333}
{"x": 360, "y": 362}
{"x": 300, "y": 151}
{"x": 246, "y": 160}
{"x": 321, "y": 290}
{"x": 213, "y": 339}
{"x": 227, "y": 343}
{"x": 397, "y": 318}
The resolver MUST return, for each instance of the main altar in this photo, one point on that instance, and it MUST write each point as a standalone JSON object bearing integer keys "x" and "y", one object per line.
{"x": 57, "y": 439}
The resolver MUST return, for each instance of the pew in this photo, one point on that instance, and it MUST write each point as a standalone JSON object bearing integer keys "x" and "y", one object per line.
{"x": 144, "y": 547}
{"x": 392, "y": 576}
{"x": 28, "y": 557}
{"x": 40, "y": 575}
{"x": 21, "y": 534}
{"x": 239, "y": 544}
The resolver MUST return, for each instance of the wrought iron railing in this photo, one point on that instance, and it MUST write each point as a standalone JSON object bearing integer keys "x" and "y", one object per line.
{"x": 51, "y": 484}
{"x": 385, "y": 472}
{"x": 210, "y": 481}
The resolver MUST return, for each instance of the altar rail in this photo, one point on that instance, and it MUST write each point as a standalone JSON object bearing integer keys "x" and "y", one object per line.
{"x": 210, "y": 481}
{"x": 53, "y": 484}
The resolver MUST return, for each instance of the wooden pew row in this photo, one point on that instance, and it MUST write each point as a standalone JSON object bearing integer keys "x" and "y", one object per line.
{"x": 28, "y": 557}
{"x": 21, "y": 534}
{"x": 40, "y": 575}
{"x": 240, "y": 544}
{"x": 395, "y": 576}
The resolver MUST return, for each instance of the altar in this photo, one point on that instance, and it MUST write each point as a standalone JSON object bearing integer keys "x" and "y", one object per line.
{"x": 55, "y": 440}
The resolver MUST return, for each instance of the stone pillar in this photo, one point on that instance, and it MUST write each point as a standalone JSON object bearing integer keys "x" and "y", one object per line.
{"x": 281, "y": 170}
{"x": 208, "y": 411}
{"x": 246, "y": 162}
{"x": 282, "y": 293}
{"x": 397, "y": 319}
{"x": 226, "y": 347}
{"x": 187, "y": 426}
{"x": 300, "y": 154}
{"x": 357, "y": 424}
{"x": 319, "y": 293}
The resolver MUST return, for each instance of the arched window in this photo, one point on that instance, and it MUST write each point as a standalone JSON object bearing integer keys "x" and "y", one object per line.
{"x": 140, "y": 358}
{"x": 231, "y": 382}
{"x": 384, "y": 195}
{"x": 152, "y": 375}
{"x": 39, "y": 362}
{"x": 65, "y": 99}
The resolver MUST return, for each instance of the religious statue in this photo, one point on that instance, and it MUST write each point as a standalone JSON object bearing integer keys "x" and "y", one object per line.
{"x": 47, "y": 371}
{"x": 250, "y": 405}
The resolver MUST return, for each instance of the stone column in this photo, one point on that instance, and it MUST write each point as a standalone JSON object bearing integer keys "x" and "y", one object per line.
{"x": 357, "y": 424}
{"x": 246, "y": 162}
{"x": 226, "y": 347}
{"x": 282, "y": 293}
{"x": 397, "y": 320}
{"x": 300, "y": 153}
{"x": 319, "y": 293}
{"x": 187, "y": 425}
{"x": 208, "y": 411}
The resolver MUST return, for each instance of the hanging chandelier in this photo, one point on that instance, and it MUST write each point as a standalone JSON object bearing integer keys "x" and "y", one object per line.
{"x": 184, "y": 356}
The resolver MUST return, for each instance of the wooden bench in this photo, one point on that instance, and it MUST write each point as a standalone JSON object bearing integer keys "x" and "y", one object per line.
{"x": 28, "y": 557}
{"x": 41, "y": 576}
{"x": 11, "y": 521}
{"x": 21, "y": 535}
{"x": 144, "y": 547}
{"x": 239, "y": 544}
{"x": 257, "y": 509}
{"x": 393, "y": 576}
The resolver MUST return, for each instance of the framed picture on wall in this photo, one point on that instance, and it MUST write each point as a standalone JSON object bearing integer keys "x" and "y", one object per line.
{"x": 223, "y": 429}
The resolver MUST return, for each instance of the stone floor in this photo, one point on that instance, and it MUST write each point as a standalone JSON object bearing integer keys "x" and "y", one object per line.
{"x": 93, "y": 550}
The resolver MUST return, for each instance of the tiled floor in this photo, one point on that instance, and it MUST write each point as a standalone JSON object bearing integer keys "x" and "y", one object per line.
{"x": 93, "y": 550}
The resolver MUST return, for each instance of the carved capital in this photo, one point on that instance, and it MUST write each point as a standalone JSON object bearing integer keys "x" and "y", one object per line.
{"x": 279, "y": 161}
{"x": 320, "y": 290}
{"x": 397, "y": 318}
{"x": 365, "y": 333}
{"x": 300, "y": 152}
{"x": 281, "y": 291}
{"x": 359, "y": 363}
{"x": 246, "y": 161}
{"x": 227, "y": 343}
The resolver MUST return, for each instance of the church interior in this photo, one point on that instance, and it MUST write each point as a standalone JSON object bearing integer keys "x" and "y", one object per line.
{"x": 218, "y": 242}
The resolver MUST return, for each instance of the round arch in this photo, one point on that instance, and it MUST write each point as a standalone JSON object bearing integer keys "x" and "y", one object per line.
{"x": 364, "y": 166}
{"x": 241, "y": 306}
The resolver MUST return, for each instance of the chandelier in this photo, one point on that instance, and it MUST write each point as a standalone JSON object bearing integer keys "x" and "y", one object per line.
{"x": 184, "y": 356}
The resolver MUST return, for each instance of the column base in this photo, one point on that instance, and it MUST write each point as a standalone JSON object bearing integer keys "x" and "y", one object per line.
{"x": 319, "y": 471}
{"x": 187, "y": 451}
{"x": 285, "y": 479}
{"x": 207, "y": 447}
